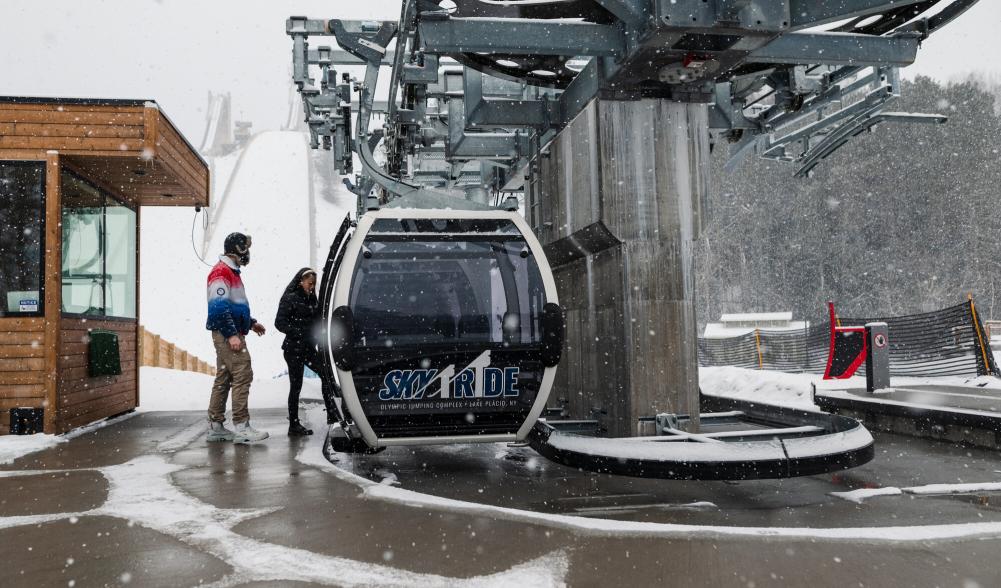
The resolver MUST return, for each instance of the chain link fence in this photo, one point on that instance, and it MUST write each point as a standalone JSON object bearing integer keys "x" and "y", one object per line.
{"x": 946, "y": 342}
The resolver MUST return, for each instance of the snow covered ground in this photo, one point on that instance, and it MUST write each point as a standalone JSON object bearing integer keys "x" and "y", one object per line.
{"x": 862, "y": 494}
{"x": 795, "y": 390}
{"x": 165, "y": 389}
{"x": 14, "y": 446}
{"x": 765, "y": 386}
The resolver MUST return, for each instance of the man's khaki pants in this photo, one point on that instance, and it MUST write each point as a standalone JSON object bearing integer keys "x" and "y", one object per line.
{"x": 233, "y": 371}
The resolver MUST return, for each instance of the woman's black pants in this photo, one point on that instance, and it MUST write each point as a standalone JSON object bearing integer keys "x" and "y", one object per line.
{"x": 296, "y": 360}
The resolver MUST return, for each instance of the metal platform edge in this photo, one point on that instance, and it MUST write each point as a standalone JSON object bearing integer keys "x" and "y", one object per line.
{"x": 855, "y": 447}
{"x": 951, "y": 424}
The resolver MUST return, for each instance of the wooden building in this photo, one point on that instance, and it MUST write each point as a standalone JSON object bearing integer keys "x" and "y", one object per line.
{"x": 74, "y": 175}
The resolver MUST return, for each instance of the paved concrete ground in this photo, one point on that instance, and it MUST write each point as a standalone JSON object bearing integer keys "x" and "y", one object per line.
{"x": 146, "y": 502}
{"x": 518, "y": 477}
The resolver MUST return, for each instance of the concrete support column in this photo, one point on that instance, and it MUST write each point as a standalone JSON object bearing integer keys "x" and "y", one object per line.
{"x": 618, "y": 200}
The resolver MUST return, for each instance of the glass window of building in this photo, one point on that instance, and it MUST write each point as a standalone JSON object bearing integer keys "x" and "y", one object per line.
{"x": 99, "y": 252}
{"x": 83, "y": 263}
{"x": 120, "y": 260}
{"x": 22, "y": 232}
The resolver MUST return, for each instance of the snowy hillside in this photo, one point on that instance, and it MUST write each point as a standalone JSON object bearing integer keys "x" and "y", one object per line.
{"x": 165, "y": 389}
{"x": 265, "y": 190}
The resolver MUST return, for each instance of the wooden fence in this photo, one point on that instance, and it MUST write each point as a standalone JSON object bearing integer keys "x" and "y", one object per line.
{"x": 155, "y": 351}
{"x": 993, "y": 329}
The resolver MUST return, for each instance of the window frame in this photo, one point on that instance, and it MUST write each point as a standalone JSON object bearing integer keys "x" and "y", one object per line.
{"x": 105, "y": 196}
{"x": 40, "y": 313}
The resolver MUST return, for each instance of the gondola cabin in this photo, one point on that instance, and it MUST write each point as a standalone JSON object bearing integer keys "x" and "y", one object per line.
{"x": 74, "y": 175}
{"x": 444, "y": 326}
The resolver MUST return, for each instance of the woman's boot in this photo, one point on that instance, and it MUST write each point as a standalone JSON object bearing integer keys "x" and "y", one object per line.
{"x": 295, "y": 429}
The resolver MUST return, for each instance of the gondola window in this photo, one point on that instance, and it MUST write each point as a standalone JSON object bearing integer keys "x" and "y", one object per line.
{"x": 446, "y": 291}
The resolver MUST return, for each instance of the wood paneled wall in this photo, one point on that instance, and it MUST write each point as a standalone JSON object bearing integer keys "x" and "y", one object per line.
{"x": 71, "y": 127}
{"x": 28, "y": 345}
{"x": 83, "y": 399}
{"x": 22, "y": 366}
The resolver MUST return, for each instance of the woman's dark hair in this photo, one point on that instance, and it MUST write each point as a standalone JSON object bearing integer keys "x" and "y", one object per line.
{"x": 297, "y": 280}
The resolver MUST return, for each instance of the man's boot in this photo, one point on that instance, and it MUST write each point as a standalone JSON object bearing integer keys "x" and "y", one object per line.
{"x": 218, "y": 432}
{"x": 246, "y": 434}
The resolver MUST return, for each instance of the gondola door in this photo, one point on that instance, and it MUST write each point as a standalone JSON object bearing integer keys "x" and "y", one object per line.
{"x": 331, "y": 266}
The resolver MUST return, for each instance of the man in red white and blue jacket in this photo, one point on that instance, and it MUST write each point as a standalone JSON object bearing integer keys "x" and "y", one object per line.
{"x": 230, "y": 321}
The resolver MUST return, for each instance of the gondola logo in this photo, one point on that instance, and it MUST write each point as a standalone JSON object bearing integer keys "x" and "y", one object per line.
{"x": 477, "y": 380}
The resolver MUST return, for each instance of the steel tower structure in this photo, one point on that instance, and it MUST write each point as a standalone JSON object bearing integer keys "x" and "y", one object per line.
{"x": 602, "y": 114}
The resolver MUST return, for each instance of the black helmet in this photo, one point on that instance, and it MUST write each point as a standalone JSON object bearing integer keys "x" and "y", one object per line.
{"x": 238, "y": 244}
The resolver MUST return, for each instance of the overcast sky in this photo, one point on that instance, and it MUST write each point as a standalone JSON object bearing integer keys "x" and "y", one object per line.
{"x": 176, "y": 51}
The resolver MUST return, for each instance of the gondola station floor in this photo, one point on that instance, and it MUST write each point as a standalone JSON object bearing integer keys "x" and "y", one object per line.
{"x": 146, "y": 501}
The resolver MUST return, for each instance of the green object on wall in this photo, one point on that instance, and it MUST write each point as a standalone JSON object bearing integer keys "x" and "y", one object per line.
{"x": 104, "y": 356}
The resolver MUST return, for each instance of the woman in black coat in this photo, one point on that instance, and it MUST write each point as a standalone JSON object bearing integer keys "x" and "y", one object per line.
{"x": 298, "y": 316}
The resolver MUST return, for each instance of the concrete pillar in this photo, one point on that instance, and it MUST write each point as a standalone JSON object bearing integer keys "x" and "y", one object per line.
{"x": 618, "y": 201}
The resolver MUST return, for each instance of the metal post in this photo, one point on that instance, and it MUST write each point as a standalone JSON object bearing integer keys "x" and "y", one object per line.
{"x": 757, "y": 346}
{"x": 877, "y": 357}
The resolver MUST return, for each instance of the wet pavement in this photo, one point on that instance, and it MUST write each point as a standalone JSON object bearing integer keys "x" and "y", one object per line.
{"x": 147, "y": 502}
{"x": 517, "y": 477}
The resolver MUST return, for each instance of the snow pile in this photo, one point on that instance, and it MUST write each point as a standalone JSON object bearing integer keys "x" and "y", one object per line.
{"x": 793, "y": 390}
{"x": 14, "y": 446}
{"x": 954, "y": 488}
{"x": 166, "y": 389}
{"x": 86, "y": 429}
{"x": 860, "y": 495}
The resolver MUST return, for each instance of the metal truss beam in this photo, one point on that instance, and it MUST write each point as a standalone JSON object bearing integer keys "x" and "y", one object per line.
{"x": 480, "y": 145}
{"x": 838, "y": 49}
{"x": 631, "y": 12}
{"x": 301, "y": 25}
{"x": 837, "y": 139}
{"x": 485, "y": 112}
{"x": 329, "y": 102}
{"x": 776, "y": 90}
{"x": 520, "y": 37}
{"x": 340, "y": 57}
{"x": 811, "y": 13}
{"x": 584, "y": 88}
{"x": 746, "y": 15}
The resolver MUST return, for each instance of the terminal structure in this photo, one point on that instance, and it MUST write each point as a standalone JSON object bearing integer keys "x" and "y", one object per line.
{"x": 74, "y": 176}
{"x": 597, "y": 118}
